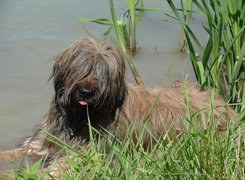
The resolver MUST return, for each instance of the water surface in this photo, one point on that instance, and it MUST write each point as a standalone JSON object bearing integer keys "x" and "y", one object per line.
{"x": 32, "y": 32}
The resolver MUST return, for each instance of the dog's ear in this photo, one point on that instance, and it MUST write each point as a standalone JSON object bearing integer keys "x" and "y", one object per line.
{"x": 58, "y": 81}
{"x": 121, "y": 94}
{"x": 58, "y": 78}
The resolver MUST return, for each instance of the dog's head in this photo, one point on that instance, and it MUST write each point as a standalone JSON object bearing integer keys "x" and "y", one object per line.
{"x": 88, "y": 75}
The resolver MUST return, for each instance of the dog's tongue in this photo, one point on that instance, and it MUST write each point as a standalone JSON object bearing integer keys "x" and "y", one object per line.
{"x": 83, "y": 103}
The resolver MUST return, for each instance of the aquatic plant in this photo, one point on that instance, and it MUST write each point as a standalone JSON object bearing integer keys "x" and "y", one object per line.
{"x": 221, "y": 63}
{"x": 124, "y": 30}
{"x": 126, "y": 23}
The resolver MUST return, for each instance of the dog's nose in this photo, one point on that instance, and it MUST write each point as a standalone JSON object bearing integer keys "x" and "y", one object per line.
{"x": 86, "y": 92}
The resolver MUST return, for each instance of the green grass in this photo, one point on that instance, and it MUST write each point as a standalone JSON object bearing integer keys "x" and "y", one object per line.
{"x": 193, "y": 154}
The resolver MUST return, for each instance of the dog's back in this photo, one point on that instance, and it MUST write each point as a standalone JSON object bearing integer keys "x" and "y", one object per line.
{"x": 173, "y": 107}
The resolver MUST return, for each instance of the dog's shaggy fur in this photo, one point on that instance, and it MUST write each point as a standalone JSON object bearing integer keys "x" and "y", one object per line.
{"x": 89, "y": 82}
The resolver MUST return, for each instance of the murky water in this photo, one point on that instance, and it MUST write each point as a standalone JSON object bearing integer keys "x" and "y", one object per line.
{"x": 34, "y": 31}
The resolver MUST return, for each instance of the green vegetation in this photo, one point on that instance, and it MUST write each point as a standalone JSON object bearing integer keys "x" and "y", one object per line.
{"x": 30, "y": 172}
{"x": 126, "y": 24}
{"x": 222, "y": 63}
{"x": 193, "y": 154}
{"x": 124, "y": 31}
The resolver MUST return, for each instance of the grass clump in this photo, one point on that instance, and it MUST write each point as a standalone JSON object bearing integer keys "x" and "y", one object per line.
{"x": 193, "y": 154}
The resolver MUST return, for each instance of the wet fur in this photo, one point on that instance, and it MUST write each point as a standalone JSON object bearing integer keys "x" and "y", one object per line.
{"x": 115, "y": 105}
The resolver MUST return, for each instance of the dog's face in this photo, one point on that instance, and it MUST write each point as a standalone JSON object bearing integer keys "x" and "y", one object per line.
{"x": 88, "y": 76}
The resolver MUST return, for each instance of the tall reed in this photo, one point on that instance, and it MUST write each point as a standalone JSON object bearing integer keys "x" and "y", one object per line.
{"x": 124, "y": 30}
{"x": 222, "y": 62}
{"x": 126, "y": 23}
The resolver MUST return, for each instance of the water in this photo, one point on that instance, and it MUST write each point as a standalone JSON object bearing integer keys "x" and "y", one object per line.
{"x": 32, "y": 32}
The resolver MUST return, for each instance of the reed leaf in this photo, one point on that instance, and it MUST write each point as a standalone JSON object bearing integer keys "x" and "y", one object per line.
{"x": 102, "y": 21}
{"x": 122, "y": 44}
{"x": 223, "y": 56}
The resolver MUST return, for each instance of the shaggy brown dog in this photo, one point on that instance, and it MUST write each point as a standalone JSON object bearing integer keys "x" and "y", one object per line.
{"x": 89, "y": 81}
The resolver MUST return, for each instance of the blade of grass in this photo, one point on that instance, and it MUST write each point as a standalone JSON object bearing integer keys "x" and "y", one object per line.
{"x": 102, "y": 21}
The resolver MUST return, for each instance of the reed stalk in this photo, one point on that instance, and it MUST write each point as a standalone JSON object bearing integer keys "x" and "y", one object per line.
{"x": 222, "y": 62}
{"x": 121, "y": 43}
{"x": 125, "y": 33}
